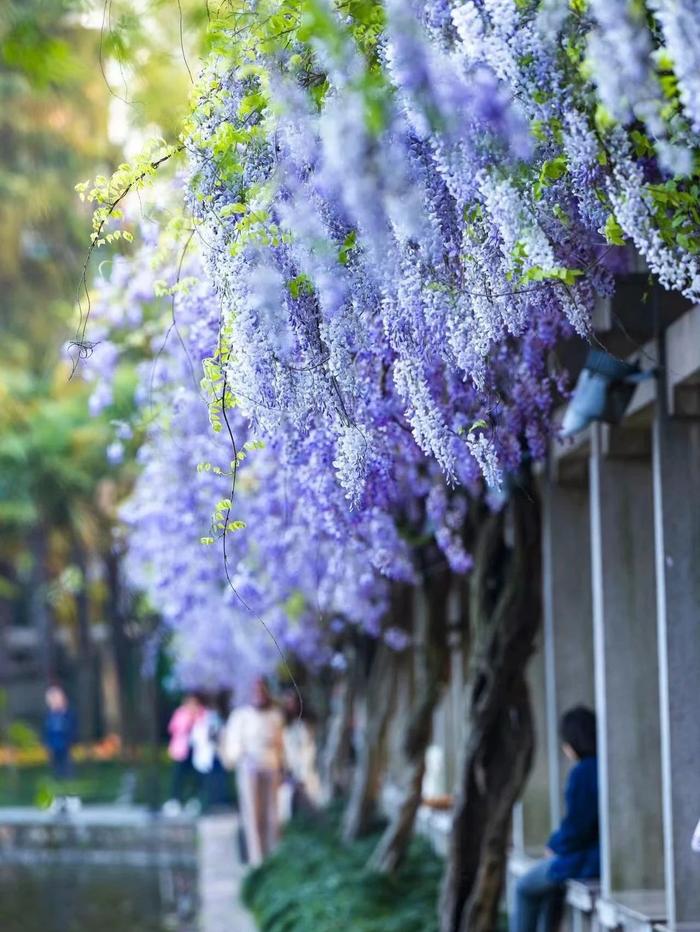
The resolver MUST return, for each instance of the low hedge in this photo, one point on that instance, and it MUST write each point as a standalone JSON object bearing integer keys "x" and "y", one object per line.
{"x": 314, "y": 883}
{"x": 93, "y": 781}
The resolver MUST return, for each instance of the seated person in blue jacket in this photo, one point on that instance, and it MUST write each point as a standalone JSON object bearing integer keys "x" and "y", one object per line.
{"x": 573, "y": 850}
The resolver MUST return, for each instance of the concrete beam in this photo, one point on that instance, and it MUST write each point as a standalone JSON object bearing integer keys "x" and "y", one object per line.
{"x": 682, "y": 352}
{"x": 681, "y": 370}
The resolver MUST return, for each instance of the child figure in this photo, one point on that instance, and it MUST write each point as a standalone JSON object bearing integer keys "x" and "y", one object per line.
{"x": 59, "y": 732}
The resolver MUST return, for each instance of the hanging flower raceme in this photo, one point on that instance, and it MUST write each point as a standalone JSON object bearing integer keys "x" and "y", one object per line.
{"x": 402, "y": 210}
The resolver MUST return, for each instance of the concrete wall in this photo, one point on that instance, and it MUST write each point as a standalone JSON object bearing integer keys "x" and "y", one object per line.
{"x": 677, "y": 526}
{"x": 621, "y": 587}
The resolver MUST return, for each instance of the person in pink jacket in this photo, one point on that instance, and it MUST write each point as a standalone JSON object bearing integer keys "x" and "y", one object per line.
{"x": 180, "y": 750}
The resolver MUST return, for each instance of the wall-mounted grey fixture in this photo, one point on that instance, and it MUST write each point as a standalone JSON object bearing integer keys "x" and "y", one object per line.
{"x": 603, "y": 391}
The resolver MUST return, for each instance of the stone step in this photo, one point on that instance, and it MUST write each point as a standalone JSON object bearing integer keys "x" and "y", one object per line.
{"x": 101, "y": 833}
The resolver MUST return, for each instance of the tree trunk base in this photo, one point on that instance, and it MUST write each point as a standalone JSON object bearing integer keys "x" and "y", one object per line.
{"x": 361, "y": 806}
{"x": 505, "y": 619}
{"x": 392, "y": 846}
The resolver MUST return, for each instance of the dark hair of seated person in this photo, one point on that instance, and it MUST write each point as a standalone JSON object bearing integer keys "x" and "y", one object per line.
{"x": 578, "y": 730}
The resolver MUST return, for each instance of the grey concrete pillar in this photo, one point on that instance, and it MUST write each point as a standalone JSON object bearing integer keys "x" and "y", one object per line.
{"x": 676, "y": 460}
{"x": 536, "y": 826}
{"x": 568, "y": 619}
{"x": 626, "y": 670}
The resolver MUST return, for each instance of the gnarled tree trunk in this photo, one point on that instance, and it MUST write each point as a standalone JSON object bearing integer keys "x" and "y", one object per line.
{"x": 86, "y": 673}
{"x": 505, "y": 617}
{"x": 378, "y": 695}
{"x": 121, "y": 649}
{"x": 430, "y": 655}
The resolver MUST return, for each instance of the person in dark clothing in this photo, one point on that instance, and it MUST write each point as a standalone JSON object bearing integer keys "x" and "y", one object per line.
{"x": 573, "y": 849}
{"x": 59, "y": 732}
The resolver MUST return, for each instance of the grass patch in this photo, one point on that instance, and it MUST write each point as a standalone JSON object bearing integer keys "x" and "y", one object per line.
{"x": 314, "y": 883}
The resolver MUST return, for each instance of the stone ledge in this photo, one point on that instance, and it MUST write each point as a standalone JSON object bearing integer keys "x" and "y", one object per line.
{"x": 98, "y": 834}
{"x": 582, "y": 894}
{"x": 633, "y": 911}
{"x": 679, "y": 927}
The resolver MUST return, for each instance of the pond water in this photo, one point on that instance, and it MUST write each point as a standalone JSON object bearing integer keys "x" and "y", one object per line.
{"x": 83, "y": 897}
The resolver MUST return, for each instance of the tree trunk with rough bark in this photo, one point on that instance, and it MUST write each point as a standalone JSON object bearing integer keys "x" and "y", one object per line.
{"x": 366, "y": 780}
{"x": 505, "y": 618}
{"x": 86, "y": 673}
{"x": 121, "y": 649}
{"x": 430, "y": 654}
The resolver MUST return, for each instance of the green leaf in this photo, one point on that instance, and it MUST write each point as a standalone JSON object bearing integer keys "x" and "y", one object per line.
{"x": 301, "y": 285}
{"x": 604, "y": 121}
{"x": 613, "y": 232}
{"x": 552, "y": 170}
{"x": 232, "y": 209}
{"x": 567, "y": 276}
{"x": 348, "y": 245}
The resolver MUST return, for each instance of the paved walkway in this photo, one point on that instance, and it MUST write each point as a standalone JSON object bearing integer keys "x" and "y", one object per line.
{"x": 220, "y": 877}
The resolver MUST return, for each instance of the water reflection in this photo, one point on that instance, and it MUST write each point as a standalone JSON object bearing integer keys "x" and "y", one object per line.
{"x": 96, "y": 898}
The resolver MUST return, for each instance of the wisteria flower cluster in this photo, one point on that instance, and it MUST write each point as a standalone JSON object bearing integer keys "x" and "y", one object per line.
{"x": 402, "y": 209}
{"x": 401, "y": 229}
{"x": 248, "y": 551}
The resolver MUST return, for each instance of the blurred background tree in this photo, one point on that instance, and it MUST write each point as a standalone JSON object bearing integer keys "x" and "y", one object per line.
{"x": 72, "y": 105}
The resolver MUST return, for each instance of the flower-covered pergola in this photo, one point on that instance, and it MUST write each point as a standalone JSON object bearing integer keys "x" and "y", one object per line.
{"x": 394, "y": 214}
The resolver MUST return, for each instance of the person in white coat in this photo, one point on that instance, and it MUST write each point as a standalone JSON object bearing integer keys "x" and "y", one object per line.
{"x": 252, "y": 742}
{"x": 204, "y": 738}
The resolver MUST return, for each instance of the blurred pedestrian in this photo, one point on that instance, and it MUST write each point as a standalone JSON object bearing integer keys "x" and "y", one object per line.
{"x": 206, "y": 734}
{"x": 185, "y": 777}
{"x": 302, "y": 782}
{"x": 253, "y": 743}
{"x": 59, "y": 732}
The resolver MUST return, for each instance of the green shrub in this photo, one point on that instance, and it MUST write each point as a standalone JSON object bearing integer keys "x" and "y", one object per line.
{"x": 314, "y": 883}
{"x": 22, "y": 736}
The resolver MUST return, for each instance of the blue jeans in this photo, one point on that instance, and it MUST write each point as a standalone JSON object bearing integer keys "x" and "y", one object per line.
{"x": 537, "y": 899}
